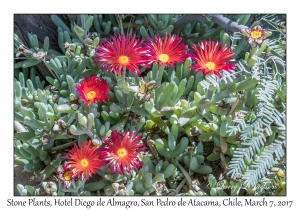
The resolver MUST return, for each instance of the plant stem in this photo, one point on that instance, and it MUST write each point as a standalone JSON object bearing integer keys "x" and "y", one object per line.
{"x": 234, "y": 105}
{"x": 123, "y": 73}
{"x": 253, "y": 49}
{"x": 90, "y": 134}
{"x": 186, "y": 175}
{"x": 180, "y": 186}
{"x": 122, "y": 82}
{"x": 120, "y": 21}
{"x": 160, "y": 74}
{"x": 19, "y": 127}
{"x": 63, "y": 146}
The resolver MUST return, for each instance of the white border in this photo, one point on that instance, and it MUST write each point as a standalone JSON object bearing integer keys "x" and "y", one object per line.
{"x": 8, "y": 9}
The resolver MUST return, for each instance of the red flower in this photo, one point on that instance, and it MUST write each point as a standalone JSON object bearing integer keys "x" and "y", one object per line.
{"x": 93, "y": 89}
{"x": 83, "y": 160}
{"x": 120, "y": 52}
{"x": 120, "y": 153}
{"x": 168, "y": 51}
{"x": 212, "y": 58}
{"x": 66, "y": 176}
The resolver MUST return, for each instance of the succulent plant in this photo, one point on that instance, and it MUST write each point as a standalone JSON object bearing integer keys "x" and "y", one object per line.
{"x": 176, "y": 108}
{"x": 26, "y": 190}
{"x": 162, "y": 24}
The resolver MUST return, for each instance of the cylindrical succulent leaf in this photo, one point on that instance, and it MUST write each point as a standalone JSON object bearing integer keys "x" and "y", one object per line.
{"x": 158, "y": 167}
{"x": 148, "y": 180}
{"x": 90, "y": 121}
{"x": 187, "y": 160}
{"x": 82, "y": 120}
{"x": 65, "y": 108}
{"x": 94, "y": 186}
{"x": 194, "y": 163}
{"x": 171, "y": 142}
{"x": 161, "y": 147}
{"x": 180, "y": 147}
{"x": 203, "y": 170}
{"x": 169, "y": 171}
{"x": 140, "y": 188}
{"x": 76, "y": 131}
{"x": 158, "y": 177}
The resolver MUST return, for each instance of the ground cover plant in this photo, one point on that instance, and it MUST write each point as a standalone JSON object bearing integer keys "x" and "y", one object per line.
{"x": 153, "y": 105}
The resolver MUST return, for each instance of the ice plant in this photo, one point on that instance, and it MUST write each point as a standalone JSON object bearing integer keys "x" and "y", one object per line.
{"x": 211, "y": 57}
{"x": 256, "y": 34}
{"x": 167, "y": 51}
{"x": 66, "y": 176}
{"x": 121, "y": 152}
{"x": 83, "y": 160}
{"x": 93, "y": 89}
{"x": 122, "y": 52}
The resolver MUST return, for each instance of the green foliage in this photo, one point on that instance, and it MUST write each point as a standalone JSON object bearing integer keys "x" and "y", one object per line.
{"x": 26, "y": 191}
{"x": 258, "y": 129}
{"x": 177, "y": 113}
{"x": 154, "y": 24}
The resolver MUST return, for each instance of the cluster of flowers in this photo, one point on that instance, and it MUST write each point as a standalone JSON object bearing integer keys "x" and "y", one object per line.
{"x": 124, "y": 52}
{"x": 127, "y": 52}
{"x": 120, "y": 153}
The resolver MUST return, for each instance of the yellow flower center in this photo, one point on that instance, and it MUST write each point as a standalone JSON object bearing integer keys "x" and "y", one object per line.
{"x": 91, "y": 95}
{"x": 122, "y": 152}
{"x": 163, "y": 58}
{"x": 123, "y": 59}
{"x": 67, "y": 175}
{"x": 256, "y": 34}
{"x": 210, "y": 65}
{"x": 84, "y": 162}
